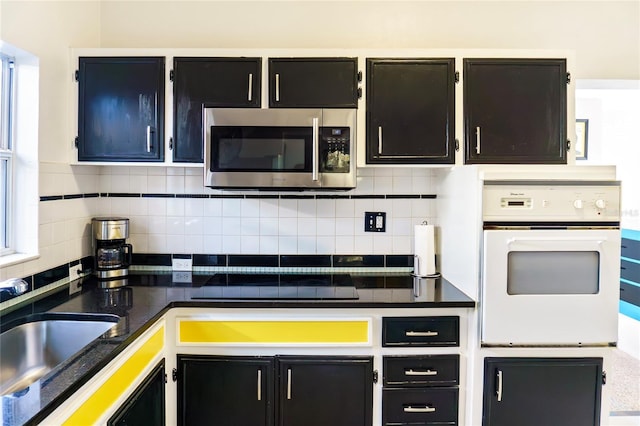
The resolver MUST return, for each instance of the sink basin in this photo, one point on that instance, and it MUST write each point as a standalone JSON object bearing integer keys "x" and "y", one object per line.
{"x": 28, "y": 351}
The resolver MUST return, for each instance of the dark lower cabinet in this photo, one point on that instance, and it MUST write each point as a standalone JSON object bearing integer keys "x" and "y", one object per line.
{"x": 325, "y": 391}
{"x": 542, "y": 391}
{"x": 146, "y": 406}
{"x": 225, "y": 391}
{"x": 121, "y": 109}
{"x": 281, "y": 390}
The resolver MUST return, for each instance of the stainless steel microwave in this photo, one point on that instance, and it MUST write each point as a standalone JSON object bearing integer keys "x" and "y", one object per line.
{"x": 249, "y": 148}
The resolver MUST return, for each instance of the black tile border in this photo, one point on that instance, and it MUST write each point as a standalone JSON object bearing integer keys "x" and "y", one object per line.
{"x": 309, "y": 261}
{"x": 151, "y": 259}
{"x": 49, "y": 276}
{"x": 244, "y": 196}
{"x": 209, "y": 260}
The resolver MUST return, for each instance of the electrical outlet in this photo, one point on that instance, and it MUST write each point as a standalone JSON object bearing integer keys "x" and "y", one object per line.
{"x": 181, "y": 276}
{"x": 178, "y": 264}
{"x": 74, "y": 272}
{"x": 375, "y": 221}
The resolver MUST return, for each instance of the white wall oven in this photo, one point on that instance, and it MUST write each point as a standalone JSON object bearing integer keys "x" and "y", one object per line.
{"x": 280, "y": 148}
{"x": 550, "y": 263}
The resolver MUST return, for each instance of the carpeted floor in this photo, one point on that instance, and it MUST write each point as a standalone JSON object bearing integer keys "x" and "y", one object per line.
{"x": 625, "y": 380}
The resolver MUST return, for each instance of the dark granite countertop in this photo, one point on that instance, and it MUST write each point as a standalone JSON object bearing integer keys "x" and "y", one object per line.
{"x": 148, "y": 295}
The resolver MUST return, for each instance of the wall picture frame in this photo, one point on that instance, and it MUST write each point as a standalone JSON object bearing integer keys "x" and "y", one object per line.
{"x": 582, "y": 137}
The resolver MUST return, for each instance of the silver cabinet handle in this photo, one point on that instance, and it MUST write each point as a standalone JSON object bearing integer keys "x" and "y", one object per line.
{"x": 288, "y": 383}
{"x": 412, "y": 372}
{"x": 315, "y": 147}
{"x": 380, "y": 140}
{"x": 250, "y": 91}
{"x": 421, "y": 333}
{"x": 149, "y": 144}
{"x": 277, "y": 87}
{"x": 499, "y": 387}
{"x": 478, "y": 140}
{"x": 425, "y": 409}
{"x": 259, "y": 384}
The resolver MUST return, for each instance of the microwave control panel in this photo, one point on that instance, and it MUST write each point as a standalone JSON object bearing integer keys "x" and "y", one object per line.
{"x": 335, "y": 149}
{"x": 545, "y": 201}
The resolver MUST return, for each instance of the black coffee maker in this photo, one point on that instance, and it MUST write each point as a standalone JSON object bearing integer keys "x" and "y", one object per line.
{"x": 111, "y": 252}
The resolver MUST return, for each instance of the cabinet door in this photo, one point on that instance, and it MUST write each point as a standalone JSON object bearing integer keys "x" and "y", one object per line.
{"x": 542, "y": 391}
{"x": 146, "y": 406}
{"x": 325, "y": 391}
{"x": 225, "y": 391}
{"x": 313, "y": 82}
{"x": 216, "y": 82}
{"x": 120, "y": 109}
{"x": 515, "y": 111}
{"x": 410, "y": 111}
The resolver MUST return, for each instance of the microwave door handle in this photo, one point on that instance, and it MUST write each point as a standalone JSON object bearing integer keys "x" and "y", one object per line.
{"x": 315, "y": 148}
{"x": 250, "y": 90}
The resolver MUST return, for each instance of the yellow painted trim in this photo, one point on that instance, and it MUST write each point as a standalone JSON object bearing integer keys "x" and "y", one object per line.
{"x": 103, "y": 398}
{"x": 274, "y": 331}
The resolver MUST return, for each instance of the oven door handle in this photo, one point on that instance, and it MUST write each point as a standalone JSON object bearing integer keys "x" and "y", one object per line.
{"x": 512, "y": 241}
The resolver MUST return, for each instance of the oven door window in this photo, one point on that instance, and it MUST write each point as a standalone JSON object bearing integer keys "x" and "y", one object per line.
{"x": 261, "y": 149}
{"x": 553, "y": 272}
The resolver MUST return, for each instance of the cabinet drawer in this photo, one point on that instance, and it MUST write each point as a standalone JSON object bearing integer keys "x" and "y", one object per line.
{"x": 630, "y": 271}
{"x": 420, "y": 331}
{"x": 428, "y": 370}
{"x": 420, "y": 406}
{"x": 630, "y": 249}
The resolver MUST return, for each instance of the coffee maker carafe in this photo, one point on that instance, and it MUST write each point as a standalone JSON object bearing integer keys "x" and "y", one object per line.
{"x": 111, "y": 252}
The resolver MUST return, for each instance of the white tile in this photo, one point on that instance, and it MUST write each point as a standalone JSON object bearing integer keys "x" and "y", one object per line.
{"x": 402, "y": 171}
{"x": 157, "y": 184}
{"x": 422, "y": 185}
{"x": 365, "y": 185}
{"x": 383, "y": 171}
{"x": 194, "y": 185}
{"x": 231, "y": 245}
{"x": 306, "y": 244}
{"x": 175, "y": 171}
{"x": 288, "y": 244}
{"x": 326, "y": 208}
{"x": 156, "y": 225}
{"x": 157, "y": 243}
{"x": 421, "y": 208}
{"x": 250, "y": 207}
{"x": 250, "y": 226}
{"x": 249, "y": 244}
{"x": 287, "y": 208}
{"x": 175, "y": 225}
{"x": 175, "y": 243}
{"x": 401, "y": 207}
{"x": 362, "y": 205}
{"x": 363, "y": 244}
{"x": 402, "y": 245}
{"x": 306, "y": 226}
{"x": 269, "y": 244}
{"x": 402, "y": 185}
{"x": 383, "y": 205}
{"x": 194, "y": 171}
{"x": 268, "y": 226}
{"x": 401, "y": 226}
{"x": 212, "y": 244}
{"x": 382, "y": 244}
{"x": 345, "y": 208}
{"x": 139, "y": 206}
{"x": 139, "y": 242}
{"x": 325, "y": 226}
{"x": 383, "y": 184}
{"x": 175, "y": 184}
{"x": 287, "y": 226}
{"x": 120, "y": 206}
{"x": 175, "y": 206}
{"x": 365, "y": 171}
{"x": 194, "y": 206}
{"x": 46, "y": 234}
{"x": 325, "y": 245}
{"x": 344, "y": 226}
{"x": 156, "y": 171}
{"x": 157, "y": 206}
{"x": 120, "y": 183}
{"x": 344, "y": 244}
{"x": 231, "y": 207}
{"x": 269, "y": 207}
{"x": 194, "y": 244}
{"x": 212, "y": 225}
{"x": 213, "y": 207}
{"x": 231, "y": 226}
{"x": 138, "y": 184}
{"x": 139, "y": 171}
{"x": 193, "y": 225}
{"x": 306, "y": 208}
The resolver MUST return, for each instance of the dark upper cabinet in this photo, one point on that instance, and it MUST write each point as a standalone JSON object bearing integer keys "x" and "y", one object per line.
{"x": 410, "y": 111}
{"x": 321, "y": 391}
{"x": 216, "y": 82}
{"x": 515, "y": 111}
{"x": 542, "y": 391}
{"x": 121, "y": 109}
{"x": 226, "y": 391}
{"x": 313, "y": 82}
{"x": 146, "y": 406}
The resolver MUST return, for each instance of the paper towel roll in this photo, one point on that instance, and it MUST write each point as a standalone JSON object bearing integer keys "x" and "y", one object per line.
{"x": 424, "y": 261}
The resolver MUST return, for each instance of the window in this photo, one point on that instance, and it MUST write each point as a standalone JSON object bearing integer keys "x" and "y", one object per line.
{"x": 6, "y": 153}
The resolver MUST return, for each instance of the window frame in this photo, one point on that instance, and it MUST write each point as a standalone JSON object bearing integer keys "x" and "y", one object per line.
{"x": 7, "y": 154}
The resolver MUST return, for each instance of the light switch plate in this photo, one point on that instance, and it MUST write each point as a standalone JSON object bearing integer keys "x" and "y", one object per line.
{"x": 178, "y": 264}
{"x": 375, "y": 221}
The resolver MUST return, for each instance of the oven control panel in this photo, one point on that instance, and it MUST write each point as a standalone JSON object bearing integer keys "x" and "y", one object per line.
{"x": 540, "y": 201}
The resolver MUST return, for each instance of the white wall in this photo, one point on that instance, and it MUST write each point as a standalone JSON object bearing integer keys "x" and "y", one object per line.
{"x": 613, "y": 138}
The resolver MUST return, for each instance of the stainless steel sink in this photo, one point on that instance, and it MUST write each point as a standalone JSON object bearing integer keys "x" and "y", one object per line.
{"x": 30, "y": 350}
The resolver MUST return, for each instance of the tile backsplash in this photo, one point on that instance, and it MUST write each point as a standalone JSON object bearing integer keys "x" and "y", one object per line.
{"x": 170, "y": 211}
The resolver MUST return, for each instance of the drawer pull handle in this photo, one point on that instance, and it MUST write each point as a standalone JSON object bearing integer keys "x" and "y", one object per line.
{"x": 421, "y": 333}
{"x": 412, "y": 372}
{"x": 425, "y": 409}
